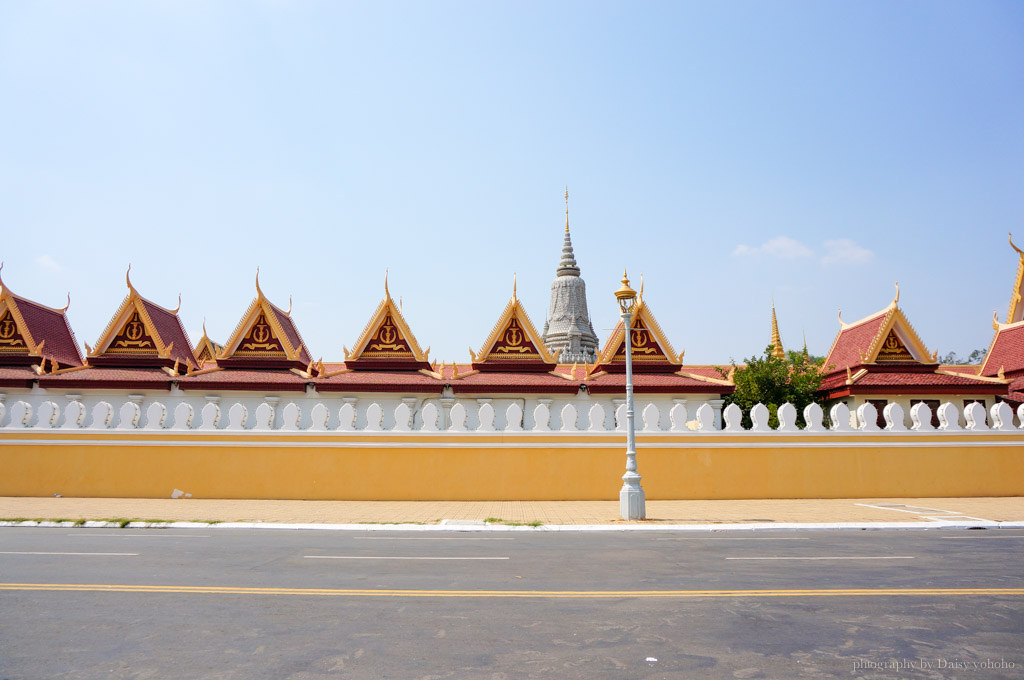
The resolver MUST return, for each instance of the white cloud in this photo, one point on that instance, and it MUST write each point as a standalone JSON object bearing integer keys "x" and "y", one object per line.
{"x": 845, "y": 251}
{"x": 49, "y": 264}
{"x": 781, "y": 246}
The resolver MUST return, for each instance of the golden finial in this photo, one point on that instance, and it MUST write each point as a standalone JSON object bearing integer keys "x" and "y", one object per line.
{"x": 128, "y": 278}
{"x": 387, "y": 294}
{"x": 178, "y": 308}
{"x": 1019, "y": 251}
{"x": 258, "y": 290}
{"x": 805, "y": 341}
{"x": 513, "y": 285}
{"x": 640, "y": 295}
{"x": 896, "y": 299}
{"x": 68, "y": 304}
{"x": 777, "y": 351}
{"x": 842, "y": 324}
{"x": 289, "y": 312}
{"x": 204, "y": 328}
{"x": 566, "y": 208}
{"x": 995, "y": 320}
{"x": 2, "y": 286}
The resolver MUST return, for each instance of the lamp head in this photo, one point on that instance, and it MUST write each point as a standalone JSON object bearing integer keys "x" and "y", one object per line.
{"x": 626, "y": 295}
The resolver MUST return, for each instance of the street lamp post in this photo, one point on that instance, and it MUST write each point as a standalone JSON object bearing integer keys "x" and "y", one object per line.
{"x": 631, "y": 497}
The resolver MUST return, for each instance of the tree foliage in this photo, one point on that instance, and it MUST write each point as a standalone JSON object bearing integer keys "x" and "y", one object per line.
{"x": 975, "y": 357}
{"x": 773, "y": 381}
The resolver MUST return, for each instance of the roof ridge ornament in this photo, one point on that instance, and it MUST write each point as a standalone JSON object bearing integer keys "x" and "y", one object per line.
{"x": 176, "y": 309}
{"x": 513, "y": 285}
{"x": 1019, "y": 251}
{"x": 842, "y": 324}
{"x": 896, "y": 300}
{"x": 289, "y": 312}
{"x": 387, "y": 293}
{"x": 259, "y": 291}
{"x": 2, "y": 286}
{"x": 128, "y": 279}
{"x": 68, "y": 304}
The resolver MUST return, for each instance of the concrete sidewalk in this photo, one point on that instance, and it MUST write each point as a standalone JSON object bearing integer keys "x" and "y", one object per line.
{"x": 726, "y": 512}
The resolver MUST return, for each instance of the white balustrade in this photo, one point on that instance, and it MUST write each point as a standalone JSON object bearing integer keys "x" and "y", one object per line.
{"x": 759, "y": 416}
{"x": 156, "y": 414}
{"x": 596, "y": 416}
{"x": 210, "y": 417}
{"x": 402, "y": 417}
{"x": 921, "y": 417}
{"x": 813, "y": 418}
{"x": 374, "y": 416}
{"x": 21, "y": 414}
{"x": 620, "y": 418}
{"x": 706, "y": 418}
{"x": 1002, "y": 416}
{"x": 840, "y": 417}
{"x": 183, "y": 415}
{"x": 733, "y": 418}
{"x": 318, "y": 418}
{"x": 128, "y": 416}
{"x": 974, "y": 415}
{"x": 264, "y": 418}
{"x": 652, "y": 418}
{"x": 949, "y": 418}
{"x": 74, "y": 415}
{"x": 893, "y": 414}
{"x": 514, "y": 418}
{"x": 291, "y": 416}
{"x": 458, "y": 418}
{"x": 429, "y": 415}
{"x": 677, "y": 416}
{"x": 486, "y": 417}
{"x": 787, "y": 418}
{"x": 238, "y": 415}
{"x": 541, "y": 418}
{"x": 49, "y": 414}
{"x": 867, "y": 418}
{"x": 347, "y": 418}
{"x": 569, "y": 417}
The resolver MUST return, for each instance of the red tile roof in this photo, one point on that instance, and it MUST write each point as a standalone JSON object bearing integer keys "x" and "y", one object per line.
{"x": 168, "y": 326}
{"x": 52, "y": 326}
{"x": 17, "y": 376}
{"x": 529, "y": 383}
{"x": 852, "y": 340}
{"x": 245, "y": 379}
{"x": 1007, "y": 351}
{"x": 380, "y": 381}
{"x": 291, "y": 331}
{"x": 655, "y": 383}
{"x": 113, "y": 377}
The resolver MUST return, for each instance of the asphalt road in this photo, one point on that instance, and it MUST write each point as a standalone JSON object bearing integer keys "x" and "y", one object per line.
{"x": 217, "y": 603}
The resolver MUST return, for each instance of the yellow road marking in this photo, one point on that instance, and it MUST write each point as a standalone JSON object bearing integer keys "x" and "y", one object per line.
{"x": 584, "y": 594}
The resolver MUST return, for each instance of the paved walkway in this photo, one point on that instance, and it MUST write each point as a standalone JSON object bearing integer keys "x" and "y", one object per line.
{"x": 525, "y": 512}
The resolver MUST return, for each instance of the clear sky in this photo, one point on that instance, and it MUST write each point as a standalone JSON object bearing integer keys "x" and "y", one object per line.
{"x": 811, "y": 151}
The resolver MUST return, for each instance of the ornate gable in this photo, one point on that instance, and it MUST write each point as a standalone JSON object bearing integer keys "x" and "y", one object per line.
{"x": 142, "y": 333}
{"x": 513, "y": 343}
{"x": 207, "y": 350}
{"x": 31, "y": 333}
{"x": 386, "y": 342}
{"x": 11, "y": 339}
{"x": 897, "y": 341}
{"x": 265, "y": 337}
{"x": 651, "y": 350}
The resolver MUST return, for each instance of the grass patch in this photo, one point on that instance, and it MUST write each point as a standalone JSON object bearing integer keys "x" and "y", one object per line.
{"x": 498, "y": 520}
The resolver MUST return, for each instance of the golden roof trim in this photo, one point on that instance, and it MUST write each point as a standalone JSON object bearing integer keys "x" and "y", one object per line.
{"x": 11, "y": 300}
{"x": 514, "y": 308}
{"x": 1017, "y": 293}
{"x": 261, "y": 303}
{"x": 375, "y": 319}
{"x": 618, "y": 333}
{"x": 979, "y": 378}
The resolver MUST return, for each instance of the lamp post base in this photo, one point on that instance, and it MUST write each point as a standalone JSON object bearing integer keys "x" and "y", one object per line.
{"x": 632, "y": 505}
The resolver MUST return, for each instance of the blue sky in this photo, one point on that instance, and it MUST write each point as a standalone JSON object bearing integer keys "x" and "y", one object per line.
{"x": 811, "y": 151}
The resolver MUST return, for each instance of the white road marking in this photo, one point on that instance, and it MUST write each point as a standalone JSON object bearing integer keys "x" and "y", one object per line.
{"x": 886, "y": 557}
{"x": 364, "y": 557}
{"x": 981, "y": 536}
{"x": 105, "y": 554}
{"x": 428, "y": 538}
{"x": 91, "y": 535}
{"x": 944, "y": 515}
{"x": 735, "y": 538}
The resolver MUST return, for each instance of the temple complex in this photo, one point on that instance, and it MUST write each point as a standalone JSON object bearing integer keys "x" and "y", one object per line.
{"x": 144, "y": 355}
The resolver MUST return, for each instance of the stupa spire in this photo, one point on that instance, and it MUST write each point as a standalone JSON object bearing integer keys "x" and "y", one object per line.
{"x": 568, "y": 328}
{"x": 777, "y": 350}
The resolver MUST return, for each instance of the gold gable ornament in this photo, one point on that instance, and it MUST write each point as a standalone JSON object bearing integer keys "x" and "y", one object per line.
{"x": 893, "y": 349}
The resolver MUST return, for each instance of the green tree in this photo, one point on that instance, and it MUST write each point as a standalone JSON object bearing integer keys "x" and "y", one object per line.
{"x": 773, "y": 381}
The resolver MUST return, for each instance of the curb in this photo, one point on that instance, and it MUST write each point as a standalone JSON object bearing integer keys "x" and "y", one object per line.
{"x": 690, "y": 528}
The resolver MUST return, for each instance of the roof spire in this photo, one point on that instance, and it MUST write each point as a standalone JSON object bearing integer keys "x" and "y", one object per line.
{"x": 258, "y": 291}
{"x": 896, "y": 299}
{"x": 566, "y": 208}
{"x": 1019, "y": 251}
{"x": 777, "y": 351}
{"x": 387, "y": 293}
{"x": 805, "y": 341}
{"x": 513, "y": 285}
{"x": 567, "y": 266}
{"x": 128, "y": 278}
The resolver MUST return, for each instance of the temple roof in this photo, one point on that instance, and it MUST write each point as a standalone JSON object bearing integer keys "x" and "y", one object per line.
{"x": 883, "y": 337}
{"x": 142, "y": 333}
{"x": 777, "y": 350}
{"x": 206, "y": 349}
{"x": 513, "y": 343}
{"x": 265, "y": 337}
{"x": 31, "y": 333}
{"x": 651, "y": 349}
{"x": 1006, "y": 352}
{"x": 387, "y": 343}
{"x": 1016, "y": 312}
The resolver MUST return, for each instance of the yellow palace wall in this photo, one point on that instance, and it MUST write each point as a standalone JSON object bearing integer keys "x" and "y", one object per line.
{"x": 551, "y": 466}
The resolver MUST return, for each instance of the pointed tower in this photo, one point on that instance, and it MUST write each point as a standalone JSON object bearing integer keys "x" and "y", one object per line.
{"x": 777, "y": 351}
{"x": 568, "y": 328}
